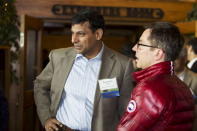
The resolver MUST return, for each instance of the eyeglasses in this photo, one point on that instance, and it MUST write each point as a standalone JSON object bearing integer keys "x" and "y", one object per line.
{"x": 138, "y": 44}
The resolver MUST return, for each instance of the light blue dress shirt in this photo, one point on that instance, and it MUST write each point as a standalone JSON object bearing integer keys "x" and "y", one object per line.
{"x": 76, "y": 105}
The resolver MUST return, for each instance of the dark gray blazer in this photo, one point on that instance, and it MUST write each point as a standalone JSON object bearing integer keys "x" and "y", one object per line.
{"x": 190, "y": 79}
{"x": 49, "y": 85}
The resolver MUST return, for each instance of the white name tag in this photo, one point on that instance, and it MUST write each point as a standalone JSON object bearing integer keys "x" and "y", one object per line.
{"x": 108, "y": 84}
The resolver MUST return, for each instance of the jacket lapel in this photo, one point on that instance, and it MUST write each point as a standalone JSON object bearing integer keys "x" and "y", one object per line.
{"x": 66, "y": 63}
{"x": 107, "y": 63}
{"x": 106, "y": 67}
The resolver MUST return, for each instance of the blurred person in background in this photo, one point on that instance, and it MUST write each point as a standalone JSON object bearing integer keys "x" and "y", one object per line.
{"x": 192, "y": 54}
{"x": 189, "y": 77}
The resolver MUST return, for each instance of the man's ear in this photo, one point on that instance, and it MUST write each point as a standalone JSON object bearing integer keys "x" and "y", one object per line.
{"x": 159, "y": 55}
{"x": 99, "y": 34}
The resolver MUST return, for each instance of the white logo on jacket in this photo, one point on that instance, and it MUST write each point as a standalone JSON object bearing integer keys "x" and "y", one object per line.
{"x": 131, "y": 106}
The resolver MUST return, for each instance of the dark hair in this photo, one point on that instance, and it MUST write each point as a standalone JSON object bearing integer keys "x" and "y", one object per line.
{"x": 193, "y": 43}
{"x": 166, "y": 36}
{"x": 95, "y": 20}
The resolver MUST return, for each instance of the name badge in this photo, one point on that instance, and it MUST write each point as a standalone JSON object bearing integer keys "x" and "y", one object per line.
{"x": 109, "y": 87}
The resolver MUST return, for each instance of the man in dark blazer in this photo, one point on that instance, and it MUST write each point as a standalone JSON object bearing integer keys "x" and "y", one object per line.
{"x": 90, "y": 73}
{"x": 189, "y": 78}
{"x": 192, "y": 54}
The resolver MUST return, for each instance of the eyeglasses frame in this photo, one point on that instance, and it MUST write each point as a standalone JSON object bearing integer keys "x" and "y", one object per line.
{"x": 139, "y": 44}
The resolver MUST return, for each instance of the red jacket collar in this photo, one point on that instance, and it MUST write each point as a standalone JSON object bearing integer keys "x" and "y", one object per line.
{"x": 157, "y": 69}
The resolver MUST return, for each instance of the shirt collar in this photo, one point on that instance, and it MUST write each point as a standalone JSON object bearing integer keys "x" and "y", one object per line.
{"x": 98, "y": 56}
{"x": 189, "y": 65}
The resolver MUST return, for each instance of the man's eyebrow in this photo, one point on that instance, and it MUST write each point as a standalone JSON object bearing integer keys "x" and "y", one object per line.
{"x": 80, "y": 32}
{"x": 77, "y": 31}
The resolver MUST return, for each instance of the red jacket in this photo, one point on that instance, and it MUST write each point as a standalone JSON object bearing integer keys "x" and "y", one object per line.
{"x": 160, "y": 102}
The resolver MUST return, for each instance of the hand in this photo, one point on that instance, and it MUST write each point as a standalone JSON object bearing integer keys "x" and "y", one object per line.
{"x": 52, "y": 125}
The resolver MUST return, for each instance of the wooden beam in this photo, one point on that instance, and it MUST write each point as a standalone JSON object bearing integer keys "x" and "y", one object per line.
{"x": 168, "y": 0}
{"x": 173, "y": 11}
{"x": 188, "y": 27}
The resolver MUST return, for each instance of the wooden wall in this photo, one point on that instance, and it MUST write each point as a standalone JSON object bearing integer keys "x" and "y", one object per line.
{"x": 174, "y": 11}
{"x": 188, "y": 27}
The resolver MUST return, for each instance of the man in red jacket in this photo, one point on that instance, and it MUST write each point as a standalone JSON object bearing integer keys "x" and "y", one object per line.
{"x": 160, "y": 101}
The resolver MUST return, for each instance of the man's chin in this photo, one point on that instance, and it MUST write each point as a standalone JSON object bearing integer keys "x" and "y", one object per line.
{"x": 78, "y": 50}
{"x": 138, "y": 66}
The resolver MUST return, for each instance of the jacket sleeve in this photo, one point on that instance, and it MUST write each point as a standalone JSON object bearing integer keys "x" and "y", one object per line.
{"x": 142, "y": 112}
{"x": 42, "y": 86}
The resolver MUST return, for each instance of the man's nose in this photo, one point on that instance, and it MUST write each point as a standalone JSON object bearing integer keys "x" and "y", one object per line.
{"x": 134, "y": 47}
{"x": 74, "y": 39}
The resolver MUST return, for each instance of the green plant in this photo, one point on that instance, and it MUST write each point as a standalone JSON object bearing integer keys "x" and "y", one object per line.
{"x": 9, "y": 33}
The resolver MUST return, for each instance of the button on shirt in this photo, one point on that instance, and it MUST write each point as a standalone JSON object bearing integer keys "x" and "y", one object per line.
{"x": 76, "y": 105}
